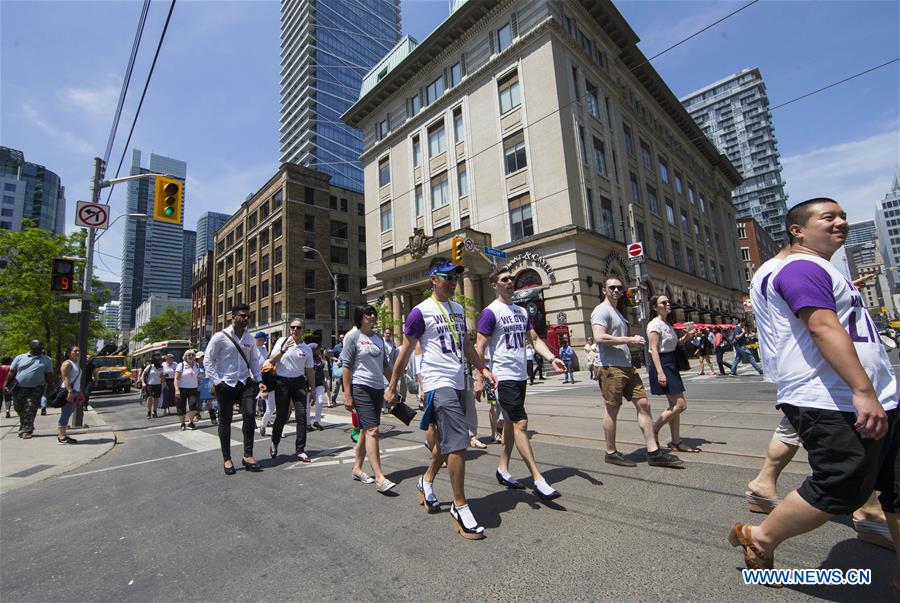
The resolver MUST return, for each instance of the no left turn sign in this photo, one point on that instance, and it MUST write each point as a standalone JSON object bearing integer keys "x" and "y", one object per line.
{"x": 92, "y": 215}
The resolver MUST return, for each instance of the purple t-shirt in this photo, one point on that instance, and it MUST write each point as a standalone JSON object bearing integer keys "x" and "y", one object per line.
{"x": 442, "y": 358}
{"x": 507, "y": 325}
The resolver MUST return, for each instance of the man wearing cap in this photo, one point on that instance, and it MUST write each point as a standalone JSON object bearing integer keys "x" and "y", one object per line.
{"x": 439, "y": 325}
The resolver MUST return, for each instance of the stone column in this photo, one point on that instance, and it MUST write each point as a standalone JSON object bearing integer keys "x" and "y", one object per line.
{"x": 471, "y": 288}
{"x": 396, "y": 313}
{"x": 389, "y": 304}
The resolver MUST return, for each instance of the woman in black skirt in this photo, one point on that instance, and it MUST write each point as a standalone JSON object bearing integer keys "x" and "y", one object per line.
{"x": 663, "y": 370}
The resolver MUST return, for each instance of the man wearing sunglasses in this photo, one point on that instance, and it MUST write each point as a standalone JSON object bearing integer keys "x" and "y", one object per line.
{"x": 619, "y": 379}
{"x": 506, "y": 328}
{"x": 439, "y": 325}
{"x": 294, "y": 373}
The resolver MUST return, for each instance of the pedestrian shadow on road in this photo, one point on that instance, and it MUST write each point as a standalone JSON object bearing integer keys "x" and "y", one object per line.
{"x": 854, "y": 553}
{"x": 490, "y": 508}
{"x": 560, "y": 474}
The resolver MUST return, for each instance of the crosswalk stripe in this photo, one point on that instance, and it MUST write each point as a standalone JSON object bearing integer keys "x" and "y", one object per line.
{"x": 196, "y": 440}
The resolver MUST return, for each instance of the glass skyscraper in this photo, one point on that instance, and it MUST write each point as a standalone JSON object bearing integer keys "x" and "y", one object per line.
{"x": 30, "y": 191}
{"x": 734, "y": 114}
{"x": 152, "y": 251}
{"x": 207, "y": 226}
{"x": 887, "y": 224}
{"x": 327, "y": 46}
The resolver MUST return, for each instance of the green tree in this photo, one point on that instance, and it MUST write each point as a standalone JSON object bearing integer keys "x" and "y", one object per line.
{"x": 171, "y": 324}
{"x": 28, "y": 309}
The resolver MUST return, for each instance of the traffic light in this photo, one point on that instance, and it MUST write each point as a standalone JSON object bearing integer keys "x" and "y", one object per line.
{"x": 62, "y": 275}
{"x": 168, "y": 199}
{"x": 456, "y": 251}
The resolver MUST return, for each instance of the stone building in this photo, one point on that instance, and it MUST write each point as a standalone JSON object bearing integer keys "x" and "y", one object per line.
{"x": 260, "y": 258}
{"x": 201, "y": 300}
{"x": 540, "y": 129}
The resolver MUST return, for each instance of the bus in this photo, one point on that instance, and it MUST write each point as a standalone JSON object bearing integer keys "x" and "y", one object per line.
{"x": 141, "y": 357}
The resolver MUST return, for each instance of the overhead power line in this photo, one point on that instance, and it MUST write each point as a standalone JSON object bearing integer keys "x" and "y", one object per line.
{"x": 832, "y": 85}
{"x": 137, "y": 113}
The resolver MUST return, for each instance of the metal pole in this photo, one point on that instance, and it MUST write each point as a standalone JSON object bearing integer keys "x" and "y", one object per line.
{"x": 85, "y": 317}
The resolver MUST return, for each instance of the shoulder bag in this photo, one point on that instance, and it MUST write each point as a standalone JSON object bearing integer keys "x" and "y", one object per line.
{"x": 241, "y": 352}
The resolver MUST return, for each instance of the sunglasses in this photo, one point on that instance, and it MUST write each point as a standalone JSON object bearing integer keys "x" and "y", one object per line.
{"x": 452, "y": 277}
{"x": 370, "y": 313}
{"x": 665, "y": 303}
{"x": 615, "y": 287}
{"x": 505, "y": 279}
{"x": 244, "y": 315}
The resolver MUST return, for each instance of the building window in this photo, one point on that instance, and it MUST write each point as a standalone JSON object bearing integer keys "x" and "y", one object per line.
{"x": 599, "y": 157}
{"x": 462, "y": 180}
{"x": 455, "y": 74}
{"x": 339, "y": 229}
{"x": 420, "y": 201}
{"x": 691, "y": 193}
{"x": 384, "y": 171}
{"x": 387, "y": 217}
{"x": 629, "y": 144}
{"x": 343, "y": 282}
{"x": 6, "y": 212}
{"x": 278, "y": 282}
{"x": 434, "y": 90}
{"x": 696, "y": 229}
{"x": 701, "y": 262}
{"x": 653, "y": 201}
{"x": 263, "y": 238}
{"x": 589, "y": 197}
{"x": 340, "y": 255}
{"x": 7, "y": 200}
{"x": 690, "y": 261}
{"x": 703, "y": 203}
{"x": 607, "y": 223}
{"x": 437, "y": 140}
{"x": 646, "y": 155}
{"x": 264, "y": 263}
{"x": 635, "y": 188}
{"x": 309, "y": 279}
{"x": 360, "y": 209}
{"x": 361, "y": 234}
{"x": 310, "y": 309}
{"x": 277, "y": 229}
{"x": 264, "y": 207}
{"x": 514, "y": 152}
{"x": 264, "y": 289}
{"x": 415, "y": 104}
{"x": 593, "y": 100}
{"x": 416, "y": 151}
{"x": 459, "y": 132}
{"x": 252, "y": 269}
{"x": 9, "y": 187}
{"x": 520, "y": 220}
{"x": 679, "y": 186}
{"x": 309, "y": 223}
{"x": 745, "y": 254}
{"x": 659, "y": 246}
{"x": 641, "y": 235}
{"x": 663, "y": 170}
{"x": 670, "y": 211}
{"x": 344, "y": 204}
{"x": 508, "y": 87}
{"x": 708, "y": 236}
{"x": 685, "y": 223}
{"x": 742, "y": 231}
{"x": 277, "y": 256}
{"x": 504, "y": 37}
{"x": 383, "y": 129}
{"x": 440, "y": 195}
{"x": 251, "y": 222}
{"x": 676, "y": 255}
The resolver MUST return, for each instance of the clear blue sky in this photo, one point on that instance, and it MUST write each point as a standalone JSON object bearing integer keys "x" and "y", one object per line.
{"x": 213, "y": 101}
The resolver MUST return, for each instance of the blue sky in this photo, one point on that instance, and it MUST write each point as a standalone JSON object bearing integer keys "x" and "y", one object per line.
{"x": 213, "y": 100}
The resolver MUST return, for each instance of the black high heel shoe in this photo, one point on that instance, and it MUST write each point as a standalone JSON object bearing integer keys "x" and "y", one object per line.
{"x": 512, "y": 484}
{"x": 251, "y": 467}
{"x": 476, "y": 533}
{"x": 230, "y": 470}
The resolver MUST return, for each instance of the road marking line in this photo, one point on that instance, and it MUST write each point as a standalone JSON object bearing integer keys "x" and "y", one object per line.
{"x": 346, "y": 456}
{"x": 164, "y": 458}
{"x": 197, "y": 441}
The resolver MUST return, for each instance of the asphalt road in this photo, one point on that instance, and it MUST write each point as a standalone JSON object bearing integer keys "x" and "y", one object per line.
{"x": 157, "y": 520}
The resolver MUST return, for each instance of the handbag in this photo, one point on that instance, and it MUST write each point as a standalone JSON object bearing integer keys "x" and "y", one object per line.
{"x": 403, "y": 412}
{"x": 57, "y": 398}
{"x": 268, "y": 376}
{"x": 681, "y": 358}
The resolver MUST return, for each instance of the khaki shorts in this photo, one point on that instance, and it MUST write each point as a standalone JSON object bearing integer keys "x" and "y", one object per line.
{"x": 617, "y": 382}
{"x": 786, "y": 433}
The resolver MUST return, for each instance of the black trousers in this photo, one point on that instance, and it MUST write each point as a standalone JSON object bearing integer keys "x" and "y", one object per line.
{"x": 227, "y": 397}
{"x": 720, "y": 353}
{"x": 287, "y": 390}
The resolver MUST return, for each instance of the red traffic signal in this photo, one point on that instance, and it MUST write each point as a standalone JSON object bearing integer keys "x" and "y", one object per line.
{"x": 62, "y": 275}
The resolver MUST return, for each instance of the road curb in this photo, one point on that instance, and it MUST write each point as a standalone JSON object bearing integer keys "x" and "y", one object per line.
{"x": 27, "y": 462}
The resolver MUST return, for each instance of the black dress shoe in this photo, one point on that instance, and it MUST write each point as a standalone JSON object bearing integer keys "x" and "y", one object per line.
{"x": 252, "y": 467}
{"x": 230, "y": 470}
{"x": 550, "y": 496}
{"x": 509, "y": 483}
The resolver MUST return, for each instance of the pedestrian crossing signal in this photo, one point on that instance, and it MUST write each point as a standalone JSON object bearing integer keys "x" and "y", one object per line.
{"x": 167, "y": 200}
{"x": 62, "y": 275}
{"x": 456, "y": 251}
{"x": 631, "y": 296}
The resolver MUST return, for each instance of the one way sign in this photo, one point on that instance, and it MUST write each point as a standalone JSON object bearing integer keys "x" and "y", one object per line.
{"x": 635, "y": 253}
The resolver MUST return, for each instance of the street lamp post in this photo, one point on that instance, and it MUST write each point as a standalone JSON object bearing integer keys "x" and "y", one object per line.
{"x": 334, "y": 288}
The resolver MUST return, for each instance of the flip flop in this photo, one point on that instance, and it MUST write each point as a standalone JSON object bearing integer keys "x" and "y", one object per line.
{"x": 759, "y": 504}
{"x": 680, "y": 447}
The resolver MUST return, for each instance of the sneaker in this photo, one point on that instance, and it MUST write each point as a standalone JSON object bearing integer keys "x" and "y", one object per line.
{"x": 617, "y": 458}
{"x": 661, "y": 458}
{"x": 364, "y": 477}
{"x": 183, "y": 427}
{"x": 66, "y": 440}
{"x": 384, "y": 485}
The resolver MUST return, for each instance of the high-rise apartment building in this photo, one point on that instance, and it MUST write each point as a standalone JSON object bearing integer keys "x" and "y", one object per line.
{"x": 207, "y": 226}
{"x": 887, "y": 224}
{"x": 864, "y": 259}
{"x": 734, "y": 114}
{"x": 152, "y": 251}
{"x": 326, "y": 48}
{"x": 861, "y": 232}
{"x": 457, "y": 143}
{"x": 29, "y": 191}
{"x": 189, "y": 244}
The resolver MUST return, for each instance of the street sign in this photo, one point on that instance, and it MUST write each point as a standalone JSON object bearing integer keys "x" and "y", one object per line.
{"x": 92, "y": 215}
{"x": 470, "y": 244}
{"x": 495, "y": 253}
{"x": 74, "y": 306}
{"x": 635, "y": 253}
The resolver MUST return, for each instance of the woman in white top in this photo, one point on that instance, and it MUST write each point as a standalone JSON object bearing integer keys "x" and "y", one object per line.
{"x": 71, "y": 378}
{"x": 168, "y": 384}
{"x": 151, "y": 378}
{"x": 187, "y": 387}
{"x": 663, "y": 371}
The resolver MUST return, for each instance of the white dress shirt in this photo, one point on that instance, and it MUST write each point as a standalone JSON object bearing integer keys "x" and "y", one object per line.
{"x": 223, "y": 362}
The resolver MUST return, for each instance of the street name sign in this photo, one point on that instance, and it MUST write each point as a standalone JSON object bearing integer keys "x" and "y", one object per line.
{"x": 497, "y": 253}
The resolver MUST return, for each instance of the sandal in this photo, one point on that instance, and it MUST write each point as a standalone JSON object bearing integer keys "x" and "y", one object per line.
{"x": 680, "y": 447}
{"x": 475, "y": 442}
{"x": 754, "y": 557}
{"x": 759, "y": 504}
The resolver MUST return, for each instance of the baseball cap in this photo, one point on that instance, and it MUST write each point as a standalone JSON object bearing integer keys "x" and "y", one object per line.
{"x": 260, "y": 335}
{"x": 445, "y": 268}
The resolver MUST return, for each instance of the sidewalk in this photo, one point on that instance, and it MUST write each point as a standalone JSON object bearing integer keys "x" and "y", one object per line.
{"x": 24, "y": 462}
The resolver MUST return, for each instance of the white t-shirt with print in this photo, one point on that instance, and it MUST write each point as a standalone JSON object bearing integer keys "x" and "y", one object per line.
{"x": 443, "y": 354}
{"x": 507, "y": 325}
